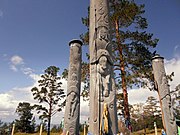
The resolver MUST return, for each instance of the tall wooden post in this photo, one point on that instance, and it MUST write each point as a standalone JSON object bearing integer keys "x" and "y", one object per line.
{"x": 72, "y": 110}
{"x": 164, "y": 94}
{"x": 102, "y": 84}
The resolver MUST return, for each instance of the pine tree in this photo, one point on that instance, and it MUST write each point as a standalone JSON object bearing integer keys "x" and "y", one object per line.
{"x": 26, "y": 122}
{"x": 176, "y": 101}
{"x": 152, "y": 113}
{"x": 5, "y": 128}
{"x": 132, "y": 46}
{"x": 50, "y": 92}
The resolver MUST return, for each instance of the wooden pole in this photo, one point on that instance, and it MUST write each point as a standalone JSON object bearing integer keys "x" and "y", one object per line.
{"x": 40, "y": 132}
{"x": 12, "y": 133}
{"x": 155, "y": 128}
{"x": 85, "y": 132}
{"x": 164, "y": 94}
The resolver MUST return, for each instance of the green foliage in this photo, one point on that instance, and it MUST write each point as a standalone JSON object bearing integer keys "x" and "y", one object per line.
{"x": 144, "y": 115}
{"x": 44, "y": 127}
{"x": 152, "y": 112}
{"x": 81, "y": 127}
{"x": 176, "y": 101}
{"x": 56, "y": 129}
{"x": 49, "y": 92}
{"x": 5, "y": 128}
{"x": 134, "y": 40}
{"x": 85, "y": 78}
{"x": 26, "y": 122}
{"x": 120, "y": 103}
{"x": 65, "y": 74}
{"x": 151, "y": 107}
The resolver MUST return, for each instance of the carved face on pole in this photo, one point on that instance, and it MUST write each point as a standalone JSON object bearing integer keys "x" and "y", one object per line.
{"x": 103, "y": 34}
{"x": 103, "y": 65}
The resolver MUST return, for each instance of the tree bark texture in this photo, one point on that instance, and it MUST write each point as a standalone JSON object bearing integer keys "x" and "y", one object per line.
{"x": 123, "y": 73}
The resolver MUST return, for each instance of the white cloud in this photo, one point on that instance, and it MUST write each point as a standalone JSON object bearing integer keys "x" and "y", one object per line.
{"x": 17, "y": 64}
{"x": 8, "y": 106}
{"x": 64, "y": 84}
{"x": 6, "y": 101}
{"x": 176, "y": 47}
{"x": 14, "y": 68}
{"x": 27, "y": 70}
{"x": 11, "y": 98}
{"x": 177, "y": 51}
{"x": 84, "y": 110}
{"x": 173, "y": 65}
{"x": 140, "y": 95}
{"x": 17, "y": 60}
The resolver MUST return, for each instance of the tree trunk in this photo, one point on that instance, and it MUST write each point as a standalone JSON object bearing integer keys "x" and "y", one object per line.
{"x": 49, "y": 119}
{"x": 49, "y": 124}
{"x": 123, "y": 73}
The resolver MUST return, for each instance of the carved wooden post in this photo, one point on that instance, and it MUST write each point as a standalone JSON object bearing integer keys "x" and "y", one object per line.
{"x": 72, "y": 111}
{"x": 164, "y": 94}
{"x": 102, "y": 85}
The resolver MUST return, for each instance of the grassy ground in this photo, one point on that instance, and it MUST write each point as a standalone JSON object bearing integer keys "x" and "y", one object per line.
{"x": 148, "y": 132}
{"x": 141, "y": 132}
{"x": 36, "y": 134}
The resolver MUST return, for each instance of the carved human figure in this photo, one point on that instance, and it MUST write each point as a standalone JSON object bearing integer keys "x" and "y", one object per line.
{"x": 101, "y": 43}
{"x": 73, "y": 104}
{"x": 74, "y": 78}
{"x": 104, "y": 74}
{"x": 102, "y": 88}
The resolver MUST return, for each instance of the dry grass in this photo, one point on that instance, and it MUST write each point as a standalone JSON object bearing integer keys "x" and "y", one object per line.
{"x": 36, "y": 134}
{"x": 141, "y": 132}
{"x": 148, "y": 132}
{"x": 41, "y": 134}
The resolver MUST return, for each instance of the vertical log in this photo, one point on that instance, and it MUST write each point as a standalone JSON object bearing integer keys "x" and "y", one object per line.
{"x": 13, "y": 128}
{"x": 164, "y": 94}
{"x": 72, "y": 110}
{"x": 102, "y": 84}
{"x": 155, "y": 128}
{"x": 40, "y": 132}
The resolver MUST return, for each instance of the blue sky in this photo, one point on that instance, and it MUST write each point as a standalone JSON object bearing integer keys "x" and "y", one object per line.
{"x": 39, "y": 32}
{"x": 164, "y": 22}
{"x": 34, "y": 34}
